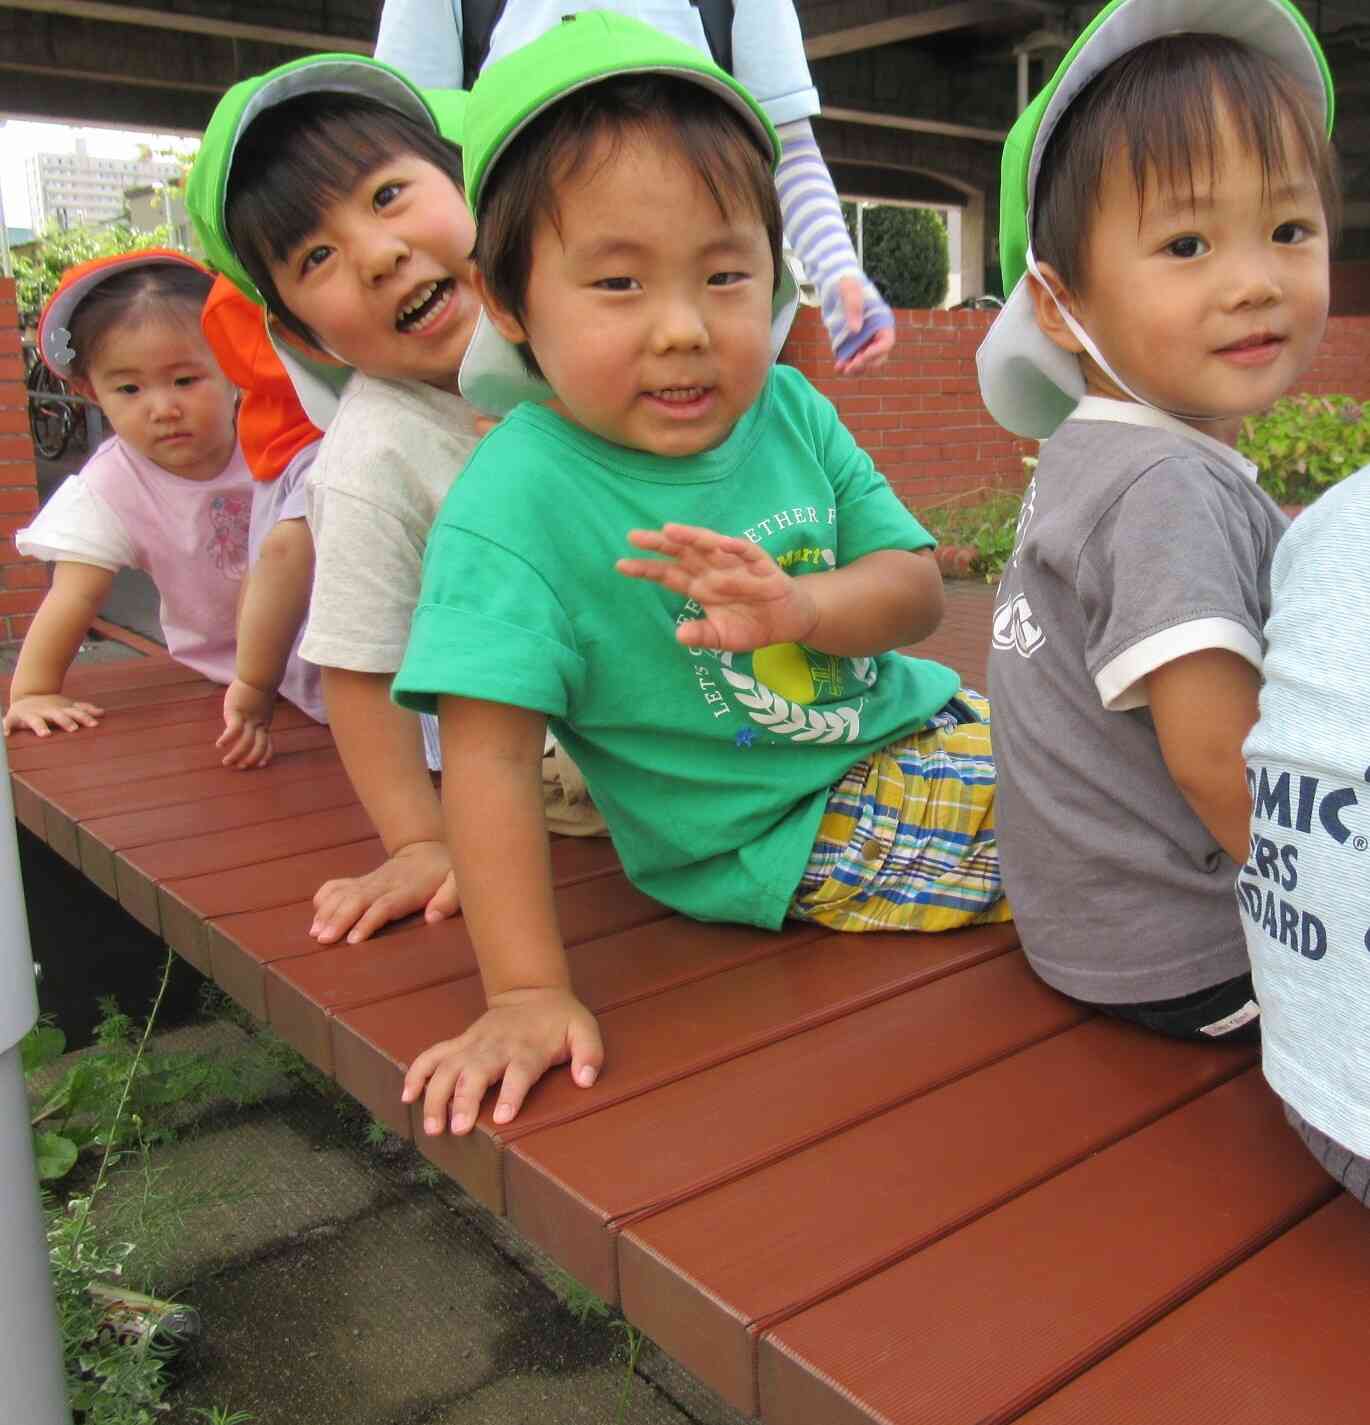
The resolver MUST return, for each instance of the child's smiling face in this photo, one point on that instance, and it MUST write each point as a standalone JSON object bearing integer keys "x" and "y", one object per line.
{"x": 384, "y": 279}
{"x": 1211, "y": 304}
{"x": 648, "y": 308}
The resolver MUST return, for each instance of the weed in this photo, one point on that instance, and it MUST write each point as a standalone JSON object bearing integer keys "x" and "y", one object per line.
{"x": 111, "y": 1378}
{"x": 988, "y": 526}
{"x": 576, "y": 1297}
{"x": 633, "y": 1340}
{"x": 217, "y": 1415}
{"x": 583, "y": 1304}
{"x": 118, "y": 1088}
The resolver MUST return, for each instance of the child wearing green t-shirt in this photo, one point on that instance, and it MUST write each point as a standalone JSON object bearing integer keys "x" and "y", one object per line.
{"x": 756, "y": 745}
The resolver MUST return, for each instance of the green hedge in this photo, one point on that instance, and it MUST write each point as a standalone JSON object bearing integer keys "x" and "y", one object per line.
{"x": 905, "y": 253}
{"x": 1303, "y": 444}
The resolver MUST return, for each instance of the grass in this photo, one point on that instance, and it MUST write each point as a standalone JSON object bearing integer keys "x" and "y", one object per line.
{"x": 111, "y": 1102}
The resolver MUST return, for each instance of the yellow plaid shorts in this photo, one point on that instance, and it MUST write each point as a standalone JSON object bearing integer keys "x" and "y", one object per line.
{"x": 907, "y": 840}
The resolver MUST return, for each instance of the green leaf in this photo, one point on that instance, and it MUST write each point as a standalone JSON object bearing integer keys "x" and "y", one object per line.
{"x": 41, "y": 1045}
{"x": 56, "y": 1155}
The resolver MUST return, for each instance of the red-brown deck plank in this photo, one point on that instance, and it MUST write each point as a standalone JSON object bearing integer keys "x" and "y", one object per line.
{"x": 241, "y": 946}
{"x": 186, "y": 908}
{"x": 84, "y": 680}
{"x": 847, "y": 1179}
{"x": 573, "y": 1188}
{"x": 703, "y": 1279}
{"x": 52, "y": 782}
{"x": 672, "y": 998}
{"x": 102, "y": 838}
{"x": 986, "y": 1322}
{"x": 141, "y": 870}
{"x": 86, "y": 803}
{"x": 1280, "y": 1341}
{"x": 304, "y": 993}
{"x": 144, "y": 729}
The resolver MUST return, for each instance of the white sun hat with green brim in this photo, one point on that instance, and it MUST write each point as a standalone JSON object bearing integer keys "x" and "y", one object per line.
{"x": 583, "y": 49}
{"x": 1029, "y": 384}
{"x": 318, "y": 384}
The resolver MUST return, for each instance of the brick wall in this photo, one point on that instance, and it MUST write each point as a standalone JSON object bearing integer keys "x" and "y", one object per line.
{"x": 1342, "y": 367}
{"x": 921, "y": 418}
{"x": 920, "y": 415}
{"x": 22, "y": 581}
{"x": 1351, "y": 288}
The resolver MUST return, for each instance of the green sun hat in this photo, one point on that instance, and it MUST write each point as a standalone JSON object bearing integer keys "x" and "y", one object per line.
{"x": 585, "y": 48}
{"x": 1029, "y": 384}
{"x": 443, "y": 110}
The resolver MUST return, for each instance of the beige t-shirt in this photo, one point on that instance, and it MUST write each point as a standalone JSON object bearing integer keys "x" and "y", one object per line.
{"x": 386, "y": 463}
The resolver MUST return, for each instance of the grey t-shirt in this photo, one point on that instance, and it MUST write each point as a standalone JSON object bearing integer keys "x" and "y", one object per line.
{"x": 1140, "y": 541}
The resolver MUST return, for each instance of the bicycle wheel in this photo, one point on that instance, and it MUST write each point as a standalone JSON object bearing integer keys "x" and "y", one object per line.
{"x": 50, "y": 422}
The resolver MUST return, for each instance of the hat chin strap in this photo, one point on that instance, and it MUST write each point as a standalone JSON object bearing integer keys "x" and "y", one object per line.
{"x": 1085, "y": 340}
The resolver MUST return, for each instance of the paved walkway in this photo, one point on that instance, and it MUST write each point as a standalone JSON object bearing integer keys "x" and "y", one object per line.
{"x": 336, "y": 1283}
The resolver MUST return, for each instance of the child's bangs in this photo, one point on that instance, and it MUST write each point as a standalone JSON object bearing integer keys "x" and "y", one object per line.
{"x": 320, "y": 167}
{"x": 1172, "y": 94}
{"x": 170, "y": 295}
{"x": 673, "y": 115}
{"x": 1161, "y": 105}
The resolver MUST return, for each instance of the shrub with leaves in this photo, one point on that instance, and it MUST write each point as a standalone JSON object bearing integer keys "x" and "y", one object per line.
{"x": 36, "y": 277}
{"x": 1303, "y": 444}
{"x": 989, "y": 527}
{"x": 78, "y": 1114}
{"x": 905, "y": 253}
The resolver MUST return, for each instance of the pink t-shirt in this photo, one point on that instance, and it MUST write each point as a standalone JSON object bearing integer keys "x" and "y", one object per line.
{"x": 189, "y": 536}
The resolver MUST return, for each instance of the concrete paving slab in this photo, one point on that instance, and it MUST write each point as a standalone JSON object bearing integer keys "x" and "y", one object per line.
{"x": 257, "y": 1186}
{"x": 585, "y": 1398}
{"x": 337, "y": 1281}
{"x": 401, "y": 1315}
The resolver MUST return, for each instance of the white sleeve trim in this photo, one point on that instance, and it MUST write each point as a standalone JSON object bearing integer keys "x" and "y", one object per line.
{"x": 77, "y": 526}
{"x": 1121, "y": 683}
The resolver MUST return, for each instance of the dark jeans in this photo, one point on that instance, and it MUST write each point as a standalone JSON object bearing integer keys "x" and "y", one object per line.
{"x": 1188, "y": 1016}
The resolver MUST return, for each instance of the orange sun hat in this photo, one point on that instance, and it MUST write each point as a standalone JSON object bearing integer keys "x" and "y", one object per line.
{"x": 54, "y": 326}
{"x": 272, "y": 425}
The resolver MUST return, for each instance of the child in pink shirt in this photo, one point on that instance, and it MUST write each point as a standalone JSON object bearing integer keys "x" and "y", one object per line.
{"x": 169, "y": 492}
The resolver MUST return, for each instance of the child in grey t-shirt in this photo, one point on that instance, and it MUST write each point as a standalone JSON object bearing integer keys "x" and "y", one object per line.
{"x": 1166, "y": 220}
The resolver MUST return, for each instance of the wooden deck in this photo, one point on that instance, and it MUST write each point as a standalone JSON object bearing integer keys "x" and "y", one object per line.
{"x": 842, "y": 1179}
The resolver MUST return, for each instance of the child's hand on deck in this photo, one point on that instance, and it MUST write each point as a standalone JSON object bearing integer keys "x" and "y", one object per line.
{"x": 416, "y": 876}
{"x": 749, "y": 601}
{"x": 37, "y": 710}
{"x": 520, "y": 1036}
{"x": 246, "y": 738}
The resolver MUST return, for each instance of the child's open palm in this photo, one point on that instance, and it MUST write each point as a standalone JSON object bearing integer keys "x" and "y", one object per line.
{"x": 749, "y": 601}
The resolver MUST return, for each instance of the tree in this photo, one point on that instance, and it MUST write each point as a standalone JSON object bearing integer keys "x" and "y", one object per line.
{"x": 905, "y": 251}
{"x": 36, "y": 277}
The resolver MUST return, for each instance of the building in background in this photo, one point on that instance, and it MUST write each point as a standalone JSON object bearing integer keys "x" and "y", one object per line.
{"x": 72, "y": 188}
{"x": 159, "y": 205}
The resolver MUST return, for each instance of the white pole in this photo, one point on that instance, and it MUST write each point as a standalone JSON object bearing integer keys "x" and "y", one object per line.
{"x": 30, "y": 1350}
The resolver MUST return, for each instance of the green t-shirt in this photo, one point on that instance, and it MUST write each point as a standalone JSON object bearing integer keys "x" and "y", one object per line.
{"x": 712, "y": 770}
